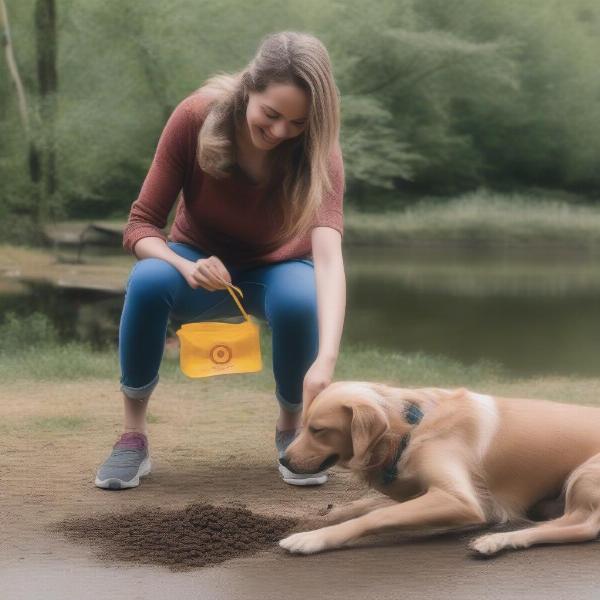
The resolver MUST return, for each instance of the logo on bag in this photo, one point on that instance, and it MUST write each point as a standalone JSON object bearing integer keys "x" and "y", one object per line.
{"x": 220, "y": 354}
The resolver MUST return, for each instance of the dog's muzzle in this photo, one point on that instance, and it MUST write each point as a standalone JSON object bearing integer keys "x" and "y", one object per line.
{"x": 328, "y": 462}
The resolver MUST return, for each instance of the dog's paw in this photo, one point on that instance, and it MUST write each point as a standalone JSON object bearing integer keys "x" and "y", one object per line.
{"x": 489, "y": 544}
{"x": 307, "y": 542}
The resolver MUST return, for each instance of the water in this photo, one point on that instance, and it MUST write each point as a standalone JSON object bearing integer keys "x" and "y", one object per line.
{"x": 535, "y": 314}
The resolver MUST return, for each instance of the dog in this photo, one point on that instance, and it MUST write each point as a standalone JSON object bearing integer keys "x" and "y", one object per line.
{"x": 450, "y": 459}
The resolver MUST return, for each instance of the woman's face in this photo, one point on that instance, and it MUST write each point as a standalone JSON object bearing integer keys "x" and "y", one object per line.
{"x": 277, "y": 114}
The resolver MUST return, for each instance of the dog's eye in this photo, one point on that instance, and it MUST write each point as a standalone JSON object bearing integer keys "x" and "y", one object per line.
{"x": 316, "y": 430}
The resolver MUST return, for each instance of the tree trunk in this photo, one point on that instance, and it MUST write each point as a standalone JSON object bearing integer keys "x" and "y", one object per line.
{"x": 34, "y": 158}
{"x": 46, "y": 43}
{"x": 12, "y": 66}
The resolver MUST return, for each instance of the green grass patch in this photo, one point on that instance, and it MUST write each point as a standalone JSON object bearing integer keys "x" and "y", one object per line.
{"x": 75, "y": 362}
{"x": 79, "y": 363}
{"x": 481, "y": 218}
{"x": 412, "y": 370}
{"x": 55, "y": 362}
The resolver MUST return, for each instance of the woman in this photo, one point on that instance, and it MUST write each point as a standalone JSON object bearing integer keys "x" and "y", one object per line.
{"x": 256, "y": 156}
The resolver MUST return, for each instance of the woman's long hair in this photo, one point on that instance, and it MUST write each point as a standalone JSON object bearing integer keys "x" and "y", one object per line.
{"x": 301, "y": 162}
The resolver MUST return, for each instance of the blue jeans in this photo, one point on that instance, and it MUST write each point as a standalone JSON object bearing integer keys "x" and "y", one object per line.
{"x": 283, "y": 294}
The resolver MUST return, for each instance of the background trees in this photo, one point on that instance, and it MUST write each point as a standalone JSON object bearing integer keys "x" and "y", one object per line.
{"x": 438, "y": 97}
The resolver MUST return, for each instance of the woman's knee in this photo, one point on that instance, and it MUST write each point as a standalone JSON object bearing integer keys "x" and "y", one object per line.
{"x": 153, "y": 278}
{"x": 293, "y": 307}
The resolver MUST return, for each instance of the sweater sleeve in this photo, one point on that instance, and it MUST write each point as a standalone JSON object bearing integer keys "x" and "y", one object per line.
{"x": 330, "y": 213}
{"x": 175, "y": 150}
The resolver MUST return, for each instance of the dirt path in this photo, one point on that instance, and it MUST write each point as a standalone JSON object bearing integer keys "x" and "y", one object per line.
{"x": 204, "y": 448}
{"x": 215, "y": 447}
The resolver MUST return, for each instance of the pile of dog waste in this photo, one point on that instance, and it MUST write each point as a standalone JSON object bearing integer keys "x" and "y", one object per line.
{"x": 197, "y": 536}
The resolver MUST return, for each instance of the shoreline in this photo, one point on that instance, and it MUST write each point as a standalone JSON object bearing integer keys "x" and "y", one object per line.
{"x": 476, "y": 221}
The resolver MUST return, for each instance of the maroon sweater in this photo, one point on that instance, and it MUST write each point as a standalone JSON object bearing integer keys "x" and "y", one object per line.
{"x": 230, "y": 217}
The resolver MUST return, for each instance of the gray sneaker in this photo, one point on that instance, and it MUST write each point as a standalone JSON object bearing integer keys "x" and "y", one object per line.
{"x": 282, "y": 440}
{"x": 128, "y": 462}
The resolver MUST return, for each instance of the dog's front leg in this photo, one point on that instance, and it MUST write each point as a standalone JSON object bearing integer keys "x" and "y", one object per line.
{"x": 433, "y": 509}
{"x": 357, "y": 509}
{"x": 345, "y": 512}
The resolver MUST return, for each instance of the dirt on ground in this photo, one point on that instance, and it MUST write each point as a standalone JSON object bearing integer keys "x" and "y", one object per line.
{"x": 197, "y": 536}
{"x": 208, "y": 445}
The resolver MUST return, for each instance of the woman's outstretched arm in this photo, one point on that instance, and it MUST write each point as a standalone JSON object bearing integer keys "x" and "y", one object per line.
{"x": 331, "y": 306}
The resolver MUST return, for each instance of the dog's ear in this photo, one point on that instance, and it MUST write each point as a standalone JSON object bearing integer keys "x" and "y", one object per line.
{"x": 369, "y": 424}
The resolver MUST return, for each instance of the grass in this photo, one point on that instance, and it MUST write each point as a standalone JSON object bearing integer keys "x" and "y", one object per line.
{"x": 52, "y": 361}
{"x": 57, "y": 424}
{"x": 79, "y": 363}
{"x": 30, "y": 350}
{"x": 75, "y": 362}
{"x": 481, "y": 218}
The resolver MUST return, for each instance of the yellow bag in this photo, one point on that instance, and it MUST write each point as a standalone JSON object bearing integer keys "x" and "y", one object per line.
{"x": 211, "y": 348}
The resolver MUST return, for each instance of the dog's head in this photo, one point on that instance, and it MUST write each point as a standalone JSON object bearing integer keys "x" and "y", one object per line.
{"x": 342, "y": 426}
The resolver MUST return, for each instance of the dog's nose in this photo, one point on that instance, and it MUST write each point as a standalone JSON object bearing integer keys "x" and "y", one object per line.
{"x": 284, "y": 461}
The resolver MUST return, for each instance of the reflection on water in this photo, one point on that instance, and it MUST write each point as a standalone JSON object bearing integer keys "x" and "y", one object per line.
{"x": 535, "y": 315}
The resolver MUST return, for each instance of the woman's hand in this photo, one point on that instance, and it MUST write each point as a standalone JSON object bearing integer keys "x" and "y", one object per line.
{"x": 208, "y": 273}
{"x": 317, "y": 378}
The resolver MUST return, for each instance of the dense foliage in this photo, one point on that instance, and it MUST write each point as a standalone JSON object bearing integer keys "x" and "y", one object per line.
{"x": 437, "y": 96}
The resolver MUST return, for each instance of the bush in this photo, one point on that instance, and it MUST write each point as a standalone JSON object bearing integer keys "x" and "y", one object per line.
{"x": 18, "y": 333}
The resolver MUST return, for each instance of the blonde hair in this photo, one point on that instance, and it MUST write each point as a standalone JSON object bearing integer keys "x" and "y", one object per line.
{"x": 303, "y": 161}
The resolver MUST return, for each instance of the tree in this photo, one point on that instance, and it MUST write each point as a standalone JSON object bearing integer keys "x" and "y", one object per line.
{"x": 41, "y": 160}
{"x": 46, "y": 47}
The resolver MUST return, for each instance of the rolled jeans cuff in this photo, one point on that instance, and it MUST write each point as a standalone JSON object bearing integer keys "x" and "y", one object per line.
{"x": 289, "y": 406}
{"x": 141, "y": 392}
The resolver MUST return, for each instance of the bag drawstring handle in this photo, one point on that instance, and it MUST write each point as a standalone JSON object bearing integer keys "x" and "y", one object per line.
{"x": 230, "y": 287}
{"x": 237, "y": 289}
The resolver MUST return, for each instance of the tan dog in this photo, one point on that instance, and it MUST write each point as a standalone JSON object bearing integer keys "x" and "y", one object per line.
{"x": 449, "y": 459}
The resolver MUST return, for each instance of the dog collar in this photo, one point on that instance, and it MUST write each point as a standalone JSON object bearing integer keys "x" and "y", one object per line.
{"x": 413, "y": 415}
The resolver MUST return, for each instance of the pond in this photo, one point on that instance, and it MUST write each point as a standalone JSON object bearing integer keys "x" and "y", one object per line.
{"x": 537, "y": 314}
